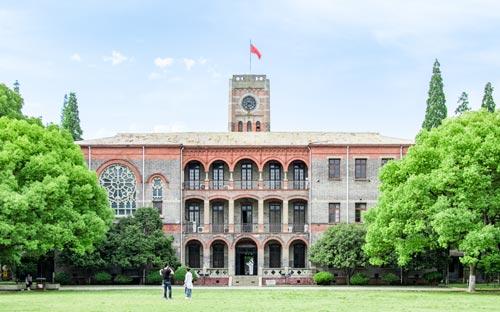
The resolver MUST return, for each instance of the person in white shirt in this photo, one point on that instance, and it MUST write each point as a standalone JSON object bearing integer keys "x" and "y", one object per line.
{"x": 188, "y": 283}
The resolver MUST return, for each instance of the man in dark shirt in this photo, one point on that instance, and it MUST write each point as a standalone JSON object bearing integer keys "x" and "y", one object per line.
{"x": 167, "y": 273}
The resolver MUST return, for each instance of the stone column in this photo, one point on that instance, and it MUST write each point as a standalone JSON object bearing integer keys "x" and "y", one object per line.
{"x": 285, "y": 179}
{"x": 231, "y": 215}
{"x": 261, "y": 181}
{"x": 231, "y": 180}
{"x": 206, "y": 216}
{"x": 207, "y": 180}
{"x": 284, "y": 253}
{"x": 285, "y": 216}
{"x": 206, "y": 259}
{"x": 230, "y": 261}
{"x": 260, "y": 218}
{"x": 260, "y": 260}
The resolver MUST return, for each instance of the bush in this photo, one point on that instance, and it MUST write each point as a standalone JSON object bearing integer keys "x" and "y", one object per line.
{"x": 63, "y": 278}
{"x": 391, "y": 278}
{"x": 102, "y": 278}
{"x": 323, "y": 278}
{"x": 180, "y": 273}
{"x": 154, "y": 278}
{"x": 433, "y": 277}
{"x": 359, "y": 279}
{"x": 123, "y": 279}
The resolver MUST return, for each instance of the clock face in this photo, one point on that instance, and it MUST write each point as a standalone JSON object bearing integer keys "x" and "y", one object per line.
{"x": 249, "y": 103}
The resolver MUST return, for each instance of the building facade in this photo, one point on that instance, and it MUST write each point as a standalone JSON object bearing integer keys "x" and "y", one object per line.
{"x": 244, "y": 206}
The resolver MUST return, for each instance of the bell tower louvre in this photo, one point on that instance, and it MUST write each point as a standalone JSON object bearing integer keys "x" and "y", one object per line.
{"x": 249, "y": 103}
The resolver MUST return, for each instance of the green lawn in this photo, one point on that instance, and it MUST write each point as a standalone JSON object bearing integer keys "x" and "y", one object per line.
{"x": 266, "y": 300}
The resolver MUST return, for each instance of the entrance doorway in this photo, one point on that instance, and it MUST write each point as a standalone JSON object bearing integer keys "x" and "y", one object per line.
{"x": 246, "y": 257}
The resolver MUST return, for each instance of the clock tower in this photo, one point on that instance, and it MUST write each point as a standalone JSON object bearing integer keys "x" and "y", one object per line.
{"x": 249, "y": 105}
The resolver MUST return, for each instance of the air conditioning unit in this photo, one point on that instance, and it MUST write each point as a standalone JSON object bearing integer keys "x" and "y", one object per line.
{"x": 193, "y": 224}
{"x": 226, "y": 187}
{"x": 200, "y": 229}
{"x": 226, "y": 230}
{"x": 202, "y": 186}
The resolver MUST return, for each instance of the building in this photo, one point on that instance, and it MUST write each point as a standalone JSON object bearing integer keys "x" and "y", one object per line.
{"x": 244, "y": 206}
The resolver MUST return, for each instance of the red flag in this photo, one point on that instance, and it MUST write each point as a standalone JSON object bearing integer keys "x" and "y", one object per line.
{"x": 254, "y": 50}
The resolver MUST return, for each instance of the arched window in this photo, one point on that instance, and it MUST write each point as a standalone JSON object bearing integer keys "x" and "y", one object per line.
{"x": 240, "y": 126}
{"x": 120, "y": 183}
{"x": 157, "y": 194}
{"x": 257, "y": 126}
{"x": 249, "y": 126}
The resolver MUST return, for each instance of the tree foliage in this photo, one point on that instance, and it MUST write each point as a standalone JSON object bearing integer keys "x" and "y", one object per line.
{"x": 340, "y": 247}
{"x": 11, "y": 103}
{"x": 49, "y": 200}
{"x": 488, "y": 101}
{"x": 442, "y": 195}
{"x": 463, "y": 104}
{"x": 436, "y": 103}
{"x": 70, "y": 118}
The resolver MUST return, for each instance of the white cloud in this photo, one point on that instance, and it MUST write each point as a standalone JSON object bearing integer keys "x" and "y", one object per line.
{"x": 155, "y": 76}
{"x": 163, "y": 62}
{"x": 202, "y": 61}
{"x": 116, "y": 58}
{"x": 76, "y": 57}
{"x": 188, "y": 63}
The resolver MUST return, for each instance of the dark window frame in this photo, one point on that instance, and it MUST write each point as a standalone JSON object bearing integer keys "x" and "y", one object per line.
{"x": 334, "y": 168}
{"x": 334, "y": 212}
{"x": 360, "y": 167}
{"x": 358, "y": 211}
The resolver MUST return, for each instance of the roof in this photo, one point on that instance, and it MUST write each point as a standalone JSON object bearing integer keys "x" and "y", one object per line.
{"x": 246, "y": 139}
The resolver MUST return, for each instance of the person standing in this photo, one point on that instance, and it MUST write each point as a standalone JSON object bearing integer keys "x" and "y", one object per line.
{"x": 188, "y": 283}
{"x": 29, "y": 281}
{"x": 166, "y": 273}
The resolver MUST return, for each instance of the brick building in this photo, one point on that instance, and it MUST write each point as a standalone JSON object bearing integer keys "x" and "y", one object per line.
{"x": 244, "y": 206}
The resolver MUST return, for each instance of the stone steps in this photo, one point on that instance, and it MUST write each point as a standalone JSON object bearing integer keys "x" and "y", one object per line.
{"x": 241, "y": 280}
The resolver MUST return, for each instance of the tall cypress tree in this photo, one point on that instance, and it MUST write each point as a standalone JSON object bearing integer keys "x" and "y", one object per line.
{"x": 16, "y": 86}
{"x": 463, "y": 104}
{"x": 436, "y": 103}
{"x": 70, "y": 119}
{"x": 488, "y": 102}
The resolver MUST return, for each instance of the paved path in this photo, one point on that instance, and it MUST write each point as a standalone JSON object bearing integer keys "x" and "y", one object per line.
{"x": 301, "y": 288}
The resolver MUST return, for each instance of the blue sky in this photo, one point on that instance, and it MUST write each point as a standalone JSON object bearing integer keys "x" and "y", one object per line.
{"x": 141, "y": 66}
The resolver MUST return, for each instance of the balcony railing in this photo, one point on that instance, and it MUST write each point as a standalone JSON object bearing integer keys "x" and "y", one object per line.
{"x": 245, "y": 184}
{"x": 219, "y": 184}
{"x": 194, "y": 185}
{"x": 273, "y": 185}
{"x": 193, "y": 227}
{"x": 246, "y": 227}
{"x": 299, "y": 228}
{"x": 219, "y": 228}
{"x": 273, "y": 227}
{"x": 298, "y": 185}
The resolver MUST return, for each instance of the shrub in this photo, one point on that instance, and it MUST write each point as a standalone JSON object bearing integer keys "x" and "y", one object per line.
{"x": 154, "y": 278}
{"x": 123, "y": 279}
{"x": 391, "y": 278}
{"x": 180, "y": 273}
{"x": 63, "y": 278}
{"x": 359, "y": 279}
{"x": 323, "y": 278}
{"x": 102, "y": 278}
{"x": 433, "y": 277}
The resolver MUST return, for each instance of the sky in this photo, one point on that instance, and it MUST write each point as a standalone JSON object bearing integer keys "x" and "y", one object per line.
{"x": 162, "y": 66}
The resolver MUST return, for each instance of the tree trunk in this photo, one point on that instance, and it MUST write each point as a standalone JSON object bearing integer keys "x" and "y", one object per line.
{"x": 143, "y": 276}
{"x": 348, "y": 277}
{"x": 472, "y": 278}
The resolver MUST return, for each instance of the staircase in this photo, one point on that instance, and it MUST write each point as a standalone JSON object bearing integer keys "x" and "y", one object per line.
{"x": 245, "y": 280}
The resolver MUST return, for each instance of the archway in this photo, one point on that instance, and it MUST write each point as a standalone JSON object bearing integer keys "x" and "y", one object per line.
{"x": 246, "y": 257}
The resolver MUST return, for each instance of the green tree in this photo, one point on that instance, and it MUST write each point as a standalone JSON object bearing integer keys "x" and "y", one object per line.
{"x": 70, "y": 119}
{"x": 138, "y": 242}
{"x": 442, "y": 195}
{"x": 488, "y": 101}
{"x": 49, "y": 200}
{"x": 436, "y": 103}
{"x": 11, "y": 103}
{"x": 341, "y": 247}
{"x": 463, "y": 104}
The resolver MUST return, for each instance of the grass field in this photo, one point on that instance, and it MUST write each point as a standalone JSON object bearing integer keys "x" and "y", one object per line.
{"x": 268, "y": 300}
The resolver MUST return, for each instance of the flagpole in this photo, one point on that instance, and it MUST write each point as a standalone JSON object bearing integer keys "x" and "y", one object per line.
{"x": 250, "y": 55}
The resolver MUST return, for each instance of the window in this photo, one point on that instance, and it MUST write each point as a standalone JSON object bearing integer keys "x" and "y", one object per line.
{"x": 194, "y": 176}
{"x": 249, "y": 126}
{"x": 299, "y": 255}
{"x": 360, "y": 168}
{"x": 158, "y": 205}
{"x": 274, "y": 217}
{"x": 240, "y": 126}
{"x": 274, "y": 176}
{"x": 246, "y": 176}
{"x": 257, "y": 126}
{"x": 385, "y": 161}
{"x": 334, "y": 213}
{"x": 246, "y": 218}
{"x": 193, "y": 214}
{"x": 274, "y": 255}
{"x": 299, "y": 176}
{"x": 218, "y": 218}
{"x": 299, "y": 217}
{"x": 360, "y": 207}
{"x": 194, "y": 255}
{"x": 218, "y": 255}
{"x": 157, "y": 190}
{"x": 334, "y": 168}
{"x": 119, "y": 181}
{"x": 218, "y": 176}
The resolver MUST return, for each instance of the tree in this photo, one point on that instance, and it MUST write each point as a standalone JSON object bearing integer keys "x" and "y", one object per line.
{"x": 11, "y": 103}
{"x": 436, "y": 103}
{"x": 138, "y": 242}
{"x": 488, "y": 101}
{"x": 443, "y": 194}
{"x": 463, "y": 104}
{"x": 341, "y": 247}
{"x": 16, "y": 87}
{"x": 49, "y": 200}
{"x": 70, "y": 119}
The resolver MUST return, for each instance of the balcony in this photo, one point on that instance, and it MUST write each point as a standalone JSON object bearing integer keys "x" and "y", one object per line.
{"x": 273, "y": 185}
{"x": 193, "y": 227}
{"x": 225, "y": 185}
{"x": 273, "y": 227}
{"x": 219, "y": 184}
{"x": 246, "y": 185}
{"x": 246, "y": 228}
{"x": 194, "y": 185}
{"x": 298, "y": 185}
{"x": 220, "y": 228}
